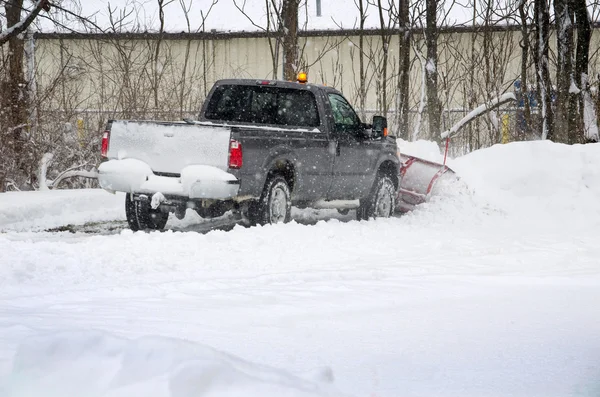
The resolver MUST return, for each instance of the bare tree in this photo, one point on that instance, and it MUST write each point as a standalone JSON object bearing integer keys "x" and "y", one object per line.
{"x": 587, "y": 119}
{"x": 544, "y": 84}
{"x": 289, "y": 31}
{"x": 434, "y": 107}
{"x": 13, "y": 93}
{"x": 14, "y": 21}
{"x": 525, "y": 46}
{"x": 362, "y": 77}
{"x": 403, "y": 81}
{"x": 564, "y": 111}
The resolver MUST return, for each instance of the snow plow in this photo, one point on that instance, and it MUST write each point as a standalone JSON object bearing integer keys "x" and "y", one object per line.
{"x": 417, "y": 180}
{"x": 418, "y": 177}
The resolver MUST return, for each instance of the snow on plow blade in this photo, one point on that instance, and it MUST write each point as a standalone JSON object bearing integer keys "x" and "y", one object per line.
{"x": 417, "y": 180}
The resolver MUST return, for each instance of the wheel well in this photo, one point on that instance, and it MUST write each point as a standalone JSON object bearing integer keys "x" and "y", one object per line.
{"x": 286, "y": 170}
{"x": 389, "y": 169}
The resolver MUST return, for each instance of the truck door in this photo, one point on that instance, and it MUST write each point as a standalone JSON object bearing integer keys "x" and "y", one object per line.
{"x": 355, "y": 157}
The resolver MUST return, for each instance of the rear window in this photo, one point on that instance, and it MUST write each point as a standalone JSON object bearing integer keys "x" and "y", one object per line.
{"x": 263, "y": 105}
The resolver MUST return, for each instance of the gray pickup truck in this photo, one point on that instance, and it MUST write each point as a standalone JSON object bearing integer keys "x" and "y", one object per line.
{"x": 258, "y": 147}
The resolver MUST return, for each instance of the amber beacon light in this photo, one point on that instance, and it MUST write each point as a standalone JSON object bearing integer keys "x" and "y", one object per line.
{"x": 302, "y": 78}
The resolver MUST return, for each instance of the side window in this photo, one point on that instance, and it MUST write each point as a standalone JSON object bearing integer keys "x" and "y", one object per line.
{"x": 297, "y": 108}
{"x": 344, "y": 116}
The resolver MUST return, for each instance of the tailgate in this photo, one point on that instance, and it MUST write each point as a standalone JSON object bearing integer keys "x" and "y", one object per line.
{"x": 169, "y": 147}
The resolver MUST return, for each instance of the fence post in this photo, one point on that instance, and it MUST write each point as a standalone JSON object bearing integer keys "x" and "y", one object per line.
{"x": 505, "y": 131}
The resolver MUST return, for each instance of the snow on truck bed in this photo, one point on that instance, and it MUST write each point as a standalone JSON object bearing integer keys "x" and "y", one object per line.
{"x": 489, "y": 289}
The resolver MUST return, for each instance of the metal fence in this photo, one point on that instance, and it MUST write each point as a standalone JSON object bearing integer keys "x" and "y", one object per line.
{"x": 78, "y": 132}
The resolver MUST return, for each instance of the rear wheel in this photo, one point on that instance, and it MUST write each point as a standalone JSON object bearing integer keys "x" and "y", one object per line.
{"x": 140, "y": 216}
{"x": 275, "y": 204}
{"x": 380, "y": 203}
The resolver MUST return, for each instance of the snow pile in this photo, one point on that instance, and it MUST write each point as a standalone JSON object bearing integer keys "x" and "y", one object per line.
{"x": 539, "y": 184}
{"x": 426, "y": 150}
{"x": 76, "y": 364}
{"x": 21, "y": 211}
{"x": 126, "y": 175}
{"x": 527, "y": 179}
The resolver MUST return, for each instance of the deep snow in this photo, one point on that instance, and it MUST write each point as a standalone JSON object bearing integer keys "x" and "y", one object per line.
{"x": 490, "y": 289}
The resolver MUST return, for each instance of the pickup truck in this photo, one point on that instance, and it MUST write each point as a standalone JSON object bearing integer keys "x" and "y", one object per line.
{"x": 258, "y": 147}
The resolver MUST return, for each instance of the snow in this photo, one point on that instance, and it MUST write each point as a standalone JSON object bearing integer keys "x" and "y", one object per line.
{"x": 125, "y": 175}
{"x": 573, "y": 89}
{"x": 196, "y": 181}
{"x": 156, "y": 366}
{"x": 478, "y": 111}
{"x": 426, "y": 150}
{"x": 491, "y": 288}
{"x": 35, "y": 211}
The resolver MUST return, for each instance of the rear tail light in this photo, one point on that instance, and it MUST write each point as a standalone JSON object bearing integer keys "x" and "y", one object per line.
{"x": 105, "y": 141}
{"x": 235, "y": 154}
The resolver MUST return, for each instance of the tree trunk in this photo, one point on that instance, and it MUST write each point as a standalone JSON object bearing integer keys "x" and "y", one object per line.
{"x": 402, "y": 101}
{"x": 525, "y": 125}
{"x": 473, "y": 132}
{"x": 289, "y": 16}
{"x": 385, "y": 44}
{"x": 434, "y": 107}
{"x": 361, "y": 59}
{"x": 542, "y": 23}
{"x": 14, "y": 98}
{"x": 588, "y": 129}
{"x": 564, "y": 70}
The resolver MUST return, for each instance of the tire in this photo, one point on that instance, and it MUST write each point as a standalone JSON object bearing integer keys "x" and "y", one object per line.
{"x": 140, "y": 216}
{"x": 380, "y": 203}
{"x": 275, "y": 204}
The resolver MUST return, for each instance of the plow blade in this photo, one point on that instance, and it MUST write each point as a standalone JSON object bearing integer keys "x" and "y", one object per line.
{"x": 417, "y": 180}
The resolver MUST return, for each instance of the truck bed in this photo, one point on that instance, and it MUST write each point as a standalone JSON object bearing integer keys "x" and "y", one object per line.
{"x": 169, "y": 147}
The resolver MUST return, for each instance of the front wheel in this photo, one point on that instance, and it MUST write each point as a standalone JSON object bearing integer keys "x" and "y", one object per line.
{"x": 141, "y": 216}
{"x": 275, "y": 204}
{"x": 380, "y": 203}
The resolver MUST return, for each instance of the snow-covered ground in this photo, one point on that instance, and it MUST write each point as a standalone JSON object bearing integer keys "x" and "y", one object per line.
{"x": 490, "y": 289}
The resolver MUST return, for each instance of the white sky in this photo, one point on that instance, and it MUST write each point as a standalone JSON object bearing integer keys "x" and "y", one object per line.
{"x": 224, "y": 16}
{"x": 142, "y": 15}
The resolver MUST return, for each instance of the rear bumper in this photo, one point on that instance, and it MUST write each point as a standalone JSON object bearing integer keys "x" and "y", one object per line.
{"x": 195, "y": 182}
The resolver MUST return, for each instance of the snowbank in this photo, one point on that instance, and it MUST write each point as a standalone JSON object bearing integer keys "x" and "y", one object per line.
{"x": 22, "y": 211}
{"x": 77, "y": 364}
{"x": 561, "y": 183}
{"x": 424, "y": 149}
{"x": 540, "y": 184}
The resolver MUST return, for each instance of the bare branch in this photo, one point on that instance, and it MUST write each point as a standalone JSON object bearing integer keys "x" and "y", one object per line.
{"x": 22, "y": 25}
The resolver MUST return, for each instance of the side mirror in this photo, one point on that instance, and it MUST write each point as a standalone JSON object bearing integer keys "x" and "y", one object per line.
{"x": 379, "y": 127}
